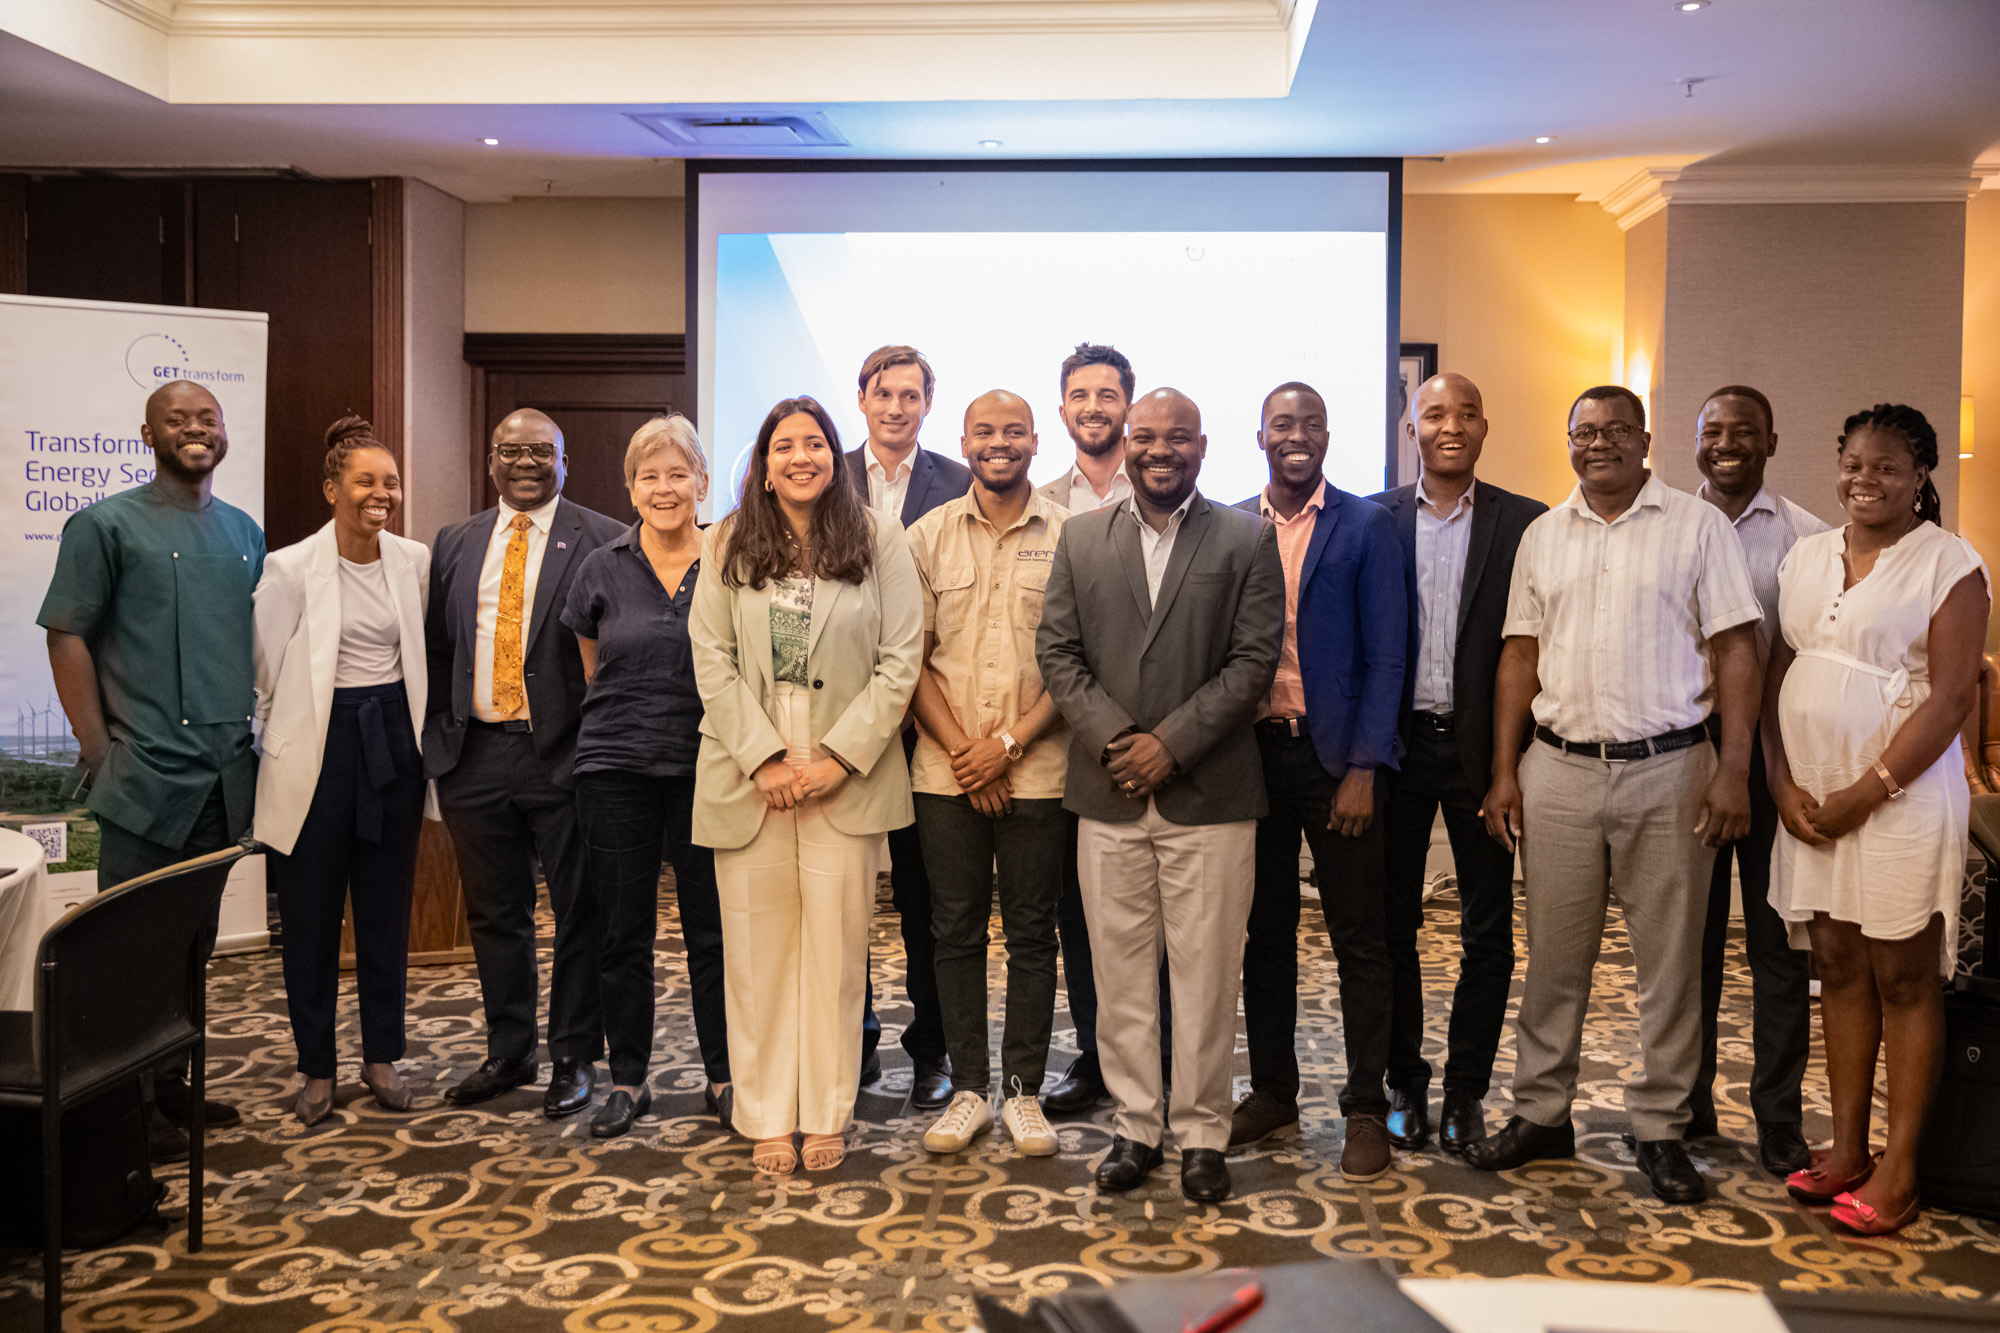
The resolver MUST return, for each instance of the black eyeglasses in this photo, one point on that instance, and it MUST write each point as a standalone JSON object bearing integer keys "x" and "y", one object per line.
{"x": 1614, "y": 434}
{"x": 514, "y": 453}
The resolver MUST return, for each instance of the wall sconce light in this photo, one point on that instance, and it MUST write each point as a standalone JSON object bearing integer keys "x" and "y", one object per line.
{"x": 1965, "y": 435}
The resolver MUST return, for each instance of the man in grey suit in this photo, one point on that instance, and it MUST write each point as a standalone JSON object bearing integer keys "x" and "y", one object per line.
{"x": 894, "y": 474}
{"x": 1160, "y": 634}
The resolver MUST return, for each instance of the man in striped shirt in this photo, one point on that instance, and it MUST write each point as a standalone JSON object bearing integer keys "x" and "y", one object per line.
{"x": 1631, "y": 636}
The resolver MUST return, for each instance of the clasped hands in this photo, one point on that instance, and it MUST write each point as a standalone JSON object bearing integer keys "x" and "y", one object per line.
{"x": 781, "y": 785}
{"x": 1817, "y": 823}
{"x": 1140, "y": 764}
{"x": 981, "y": 768}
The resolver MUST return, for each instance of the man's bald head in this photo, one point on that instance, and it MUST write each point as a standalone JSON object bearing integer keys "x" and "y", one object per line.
{"x": 525, "y": 424}
{"x": 185, "y": 429}
{"x": 998, "y": 401}
{"x": 1448, "y": 423}
{"x": 1166, "y": 405}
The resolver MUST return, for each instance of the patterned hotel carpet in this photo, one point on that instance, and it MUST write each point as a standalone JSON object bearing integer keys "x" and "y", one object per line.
{"x": 493, "y": 1218}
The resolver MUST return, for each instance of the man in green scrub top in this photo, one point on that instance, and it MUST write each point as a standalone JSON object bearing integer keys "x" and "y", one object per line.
{"x": 149, "y": 626}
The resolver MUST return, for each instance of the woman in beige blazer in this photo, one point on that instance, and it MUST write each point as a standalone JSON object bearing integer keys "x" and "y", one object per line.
{"x": 340, "y": 790}
{"x": 807, "y": 638}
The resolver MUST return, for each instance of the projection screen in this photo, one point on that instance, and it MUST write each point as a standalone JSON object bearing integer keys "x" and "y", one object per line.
{"x": 1223, "y": 279}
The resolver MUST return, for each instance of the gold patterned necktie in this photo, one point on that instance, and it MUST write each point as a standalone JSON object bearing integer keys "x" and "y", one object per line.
{"x": 509, "y": 693}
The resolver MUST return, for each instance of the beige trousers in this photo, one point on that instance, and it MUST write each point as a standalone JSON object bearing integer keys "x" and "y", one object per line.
{"x": 795, "y": 907}
{"x": 1150, "y": 886}
{"x": 1591, "y": 830}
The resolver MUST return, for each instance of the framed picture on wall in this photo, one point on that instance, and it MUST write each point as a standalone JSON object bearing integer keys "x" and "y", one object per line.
{"x": 1417, "y": 362}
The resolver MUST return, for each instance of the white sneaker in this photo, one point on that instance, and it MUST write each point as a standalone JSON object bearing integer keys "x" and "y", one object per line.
{"x": 1030, "y": 1130}
{"x": 964, "y": 1120}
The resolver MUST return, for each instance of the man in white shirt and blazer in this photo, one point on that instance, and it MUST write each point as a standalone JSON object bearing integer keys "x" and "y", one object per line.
{"x": 1160, "y": 633}
{"x": 506, "y": 694}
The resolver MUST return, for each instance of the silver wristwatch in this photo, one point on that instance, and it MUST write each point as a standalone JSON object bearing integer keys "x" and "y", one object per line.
{"x": 1012, "y": 747}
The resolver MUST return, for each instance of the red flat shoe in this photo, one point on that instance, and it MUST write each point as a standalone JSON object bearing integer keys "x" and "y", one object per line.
{"x": 1814, "y": 1186}
{"x": 1862, "y": 1219}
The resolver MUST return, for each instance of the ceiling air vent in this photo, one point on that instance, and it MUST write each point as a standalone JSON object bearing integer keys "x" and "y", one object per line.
{"x": 736, "y": 133}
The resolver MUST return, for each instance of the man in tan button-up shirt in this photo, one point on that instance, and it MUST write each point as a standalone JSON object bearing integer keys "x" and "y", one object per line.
{"x": 988, "y": 771}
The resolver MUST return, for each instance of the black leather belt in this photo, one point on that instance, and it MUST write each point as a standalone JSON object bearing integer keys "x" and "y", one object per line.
{"x": 511, "y": 724}
{"x": 1621, "y": 751}
{"x": 1438, "y": 722}
{"x": 1282, "y": 726}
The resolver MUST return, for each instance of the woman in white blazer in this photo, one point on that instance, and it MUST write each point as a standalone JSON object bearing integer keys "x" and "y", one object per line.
{"x": 340, "y": 790}
{"x": 807, "y": 637}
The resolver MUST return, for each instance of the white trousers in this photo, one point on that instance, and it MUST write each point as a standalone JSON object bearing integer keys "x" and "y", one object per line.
{"x": 795, "y": 907}
{"x": 1150, "y": 886}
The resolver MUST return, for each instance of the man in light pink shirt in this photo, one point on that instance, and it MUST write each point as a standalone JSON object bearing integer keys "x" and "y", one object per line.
{"x": 1328, "y": 736}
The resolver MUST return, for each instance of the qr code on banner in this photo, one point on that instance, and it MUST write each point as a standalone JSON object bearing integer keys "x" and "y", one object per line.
{"x": 54, "y": 839}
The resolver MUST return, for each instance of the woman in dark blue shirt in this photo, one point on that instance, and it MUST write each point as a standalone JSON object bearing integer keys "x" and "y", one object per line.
{"x": 635, "y": 753}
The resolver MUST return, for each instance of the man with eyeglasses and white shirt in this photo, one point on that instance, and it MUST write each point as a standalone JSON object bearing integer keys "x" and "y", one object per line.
{"x": 1631, "y": 636}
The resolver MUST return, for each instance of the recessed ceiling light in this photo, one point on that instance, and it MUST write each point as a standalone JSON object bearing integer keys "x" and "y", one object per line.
{"x": 989, "y": 143}
{"x": 1545, "y": 138}
{"x": 491, "y": 143}
{"x": 1690, "y": 6}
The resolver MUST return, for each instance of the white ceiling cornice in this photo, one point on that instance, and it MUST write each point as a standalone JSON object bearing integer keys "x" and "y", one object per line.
{"x": 1653, "y": 189}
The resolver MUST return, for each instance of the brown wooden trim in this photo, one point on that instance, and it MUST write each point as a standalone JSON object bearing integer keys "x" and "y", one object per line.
{"x": 385, "y": 235}
{"x": 13, "y": 233}
{"x": 605, "y": 353}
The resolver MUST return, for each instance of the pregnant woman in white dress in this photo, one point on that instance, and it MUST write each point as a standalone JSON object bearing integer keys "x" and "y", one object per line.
{"x": 1883, "y": 624}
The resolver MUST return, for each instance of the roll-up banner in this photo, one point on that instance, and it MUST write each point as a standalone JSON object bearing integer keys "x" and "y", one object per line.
{"x": 74, "y": 377}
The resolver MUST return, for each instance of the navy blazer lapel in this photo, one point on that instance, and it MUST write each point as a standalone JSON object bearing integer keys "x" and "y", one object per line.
{"x": 1485, "y": 518}
{"x": 475, "y": 537}
{"x": 564, "y": 530}
{"x": 1329, "y": 516}
{"x": 920, "y": 484}
{"x": 1125, "y": 545}
{"x": 1187, "y": 542}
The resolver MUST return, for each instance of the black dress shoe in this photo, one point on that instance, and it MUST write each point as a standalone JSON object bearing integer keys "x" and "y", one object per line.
{"x": 930, "y": 1084}
{"x": 620, "y": 1109}
{"x": 492, "y": 1078}
{"x": 165, "y": 1141}
{"x": 176, "y": 1102}
{"x": 1463, "y": 1121}
{"x": 1080, "y": 1088}
{"x": 1126, "y": 1165}
{"x": 569, "y": 1088}
{"x": 1782, "y": 1149}
{"x": 1520, "y": 1142}
{"x": 722, "y": 1103}
{"x": 1410, "y": 1117}
{"x": 871, "y": 1068}
{"x": 1666, "y": 1164}
{"x": 1204, "y": 1175}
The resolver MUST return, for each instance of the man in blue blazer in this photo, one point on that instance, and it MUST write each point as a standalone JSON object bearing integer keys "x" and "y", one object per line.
{"x": 1327, "y": 736}
{"x": 1459, "y": 536}
{"x": 894, "y": 475}
{"x": 506, "y": 693}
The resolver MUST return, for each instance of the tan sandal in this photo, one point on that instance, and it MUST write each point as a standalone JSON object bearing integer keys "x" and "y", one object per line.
{"x": 823, "y": 1152}
{"x": 774, "y": 1157}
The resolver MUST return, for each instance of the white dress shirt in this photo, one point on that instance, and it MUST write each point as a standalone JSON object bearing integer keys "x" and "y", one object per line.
{"x": 539, "y": 522}
{"x": 1623, "y": 612}
{"x": 1442, "y": 543}
{"x": 1157, "y": 547}
{"x": 1083, "y": 497}
{"x": 885, "y": 492}
{"x": 1769, "y": 529}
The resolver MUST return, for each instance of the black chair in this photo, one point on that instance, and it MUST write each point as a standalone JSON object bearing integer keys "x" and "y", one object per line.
{"x": 120, "y": 985}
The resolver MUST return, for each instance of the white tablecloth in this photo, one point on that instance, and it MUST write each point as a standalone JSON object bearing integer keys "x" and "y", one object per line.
{"x": 27, "y": 908}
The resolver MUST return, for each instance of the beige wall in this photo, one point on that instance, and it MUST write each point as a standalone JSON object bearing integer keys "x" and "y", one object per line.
{"x": 575, "y": 266}
{"x": 1979, "y": 475}
{"x": 1827, "y": 308}
{"x": 1524, "y": 294}
{"x": 436, "y": 381}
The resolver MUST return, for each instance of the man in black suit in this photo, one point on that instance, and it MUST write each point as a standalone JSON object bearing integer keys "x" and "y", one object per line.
{"x": 1459, "y": 539}
{"x": 500, "y": 738}
{"x": 894, "y": 475}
